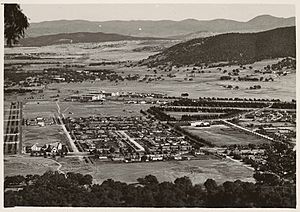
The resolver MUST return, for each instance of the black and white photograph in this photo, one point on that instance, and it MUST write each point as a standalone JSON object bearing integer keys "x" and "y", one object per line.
{"x": 149, "y": 105}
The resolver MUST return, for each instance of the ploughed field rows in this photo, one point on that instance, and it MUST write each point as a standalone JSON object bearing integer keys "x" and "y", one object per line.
{"x": 12, "y": 124}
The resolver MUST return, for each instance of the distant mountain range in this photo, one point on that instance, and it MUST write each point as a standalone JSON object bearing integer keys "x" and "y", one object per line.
{"x": 162, "y": 28}
{"x": 78, "y": 37}
{"x": 234, "y": 48}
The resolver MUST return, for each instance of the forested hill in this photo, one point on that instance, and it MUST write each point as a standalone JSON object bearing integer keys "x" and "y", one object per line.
{"x": 78, "y": 37}
{"x": 232, "y": 48}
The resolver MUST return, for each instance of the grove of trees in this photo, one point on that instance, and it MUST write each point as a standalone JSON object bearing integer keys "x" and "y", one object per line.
{"x": 77, "y": 190}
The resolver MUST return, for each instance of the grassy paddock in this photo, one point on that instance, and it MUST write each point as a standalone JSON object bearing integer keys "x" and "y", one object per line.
{"x": 23, "y": 165}
{"x": 224, "y": 135}
{"x": 197, "y": 170}
{"x": 43, "y": 135}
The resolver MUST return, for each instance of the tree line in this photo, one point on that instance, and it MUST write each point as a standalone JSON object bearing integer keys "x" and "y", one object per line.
{"x": 77, "y": 190}
{"x": 205, "y": 103}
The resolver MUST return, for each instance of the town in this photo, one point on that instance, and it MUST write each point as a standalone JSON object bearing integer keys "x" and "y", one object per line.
{"x": 161, "y": 107}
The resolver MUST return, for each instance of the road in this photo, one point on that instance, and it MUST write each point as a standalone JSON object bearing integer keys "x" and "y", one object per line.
{"x": 139, "y": 147}
{"x": 71, "y": 141}
{"x": 59, "y": 167}
{"x": 247, "y": 130}
{"x": 241, "y": 163}
{"x": 258, "y": 110}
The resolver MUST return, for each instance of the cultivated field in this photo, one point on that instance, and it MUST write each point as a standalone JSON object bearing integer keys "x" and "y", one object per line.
{"x": 223, "y": 135}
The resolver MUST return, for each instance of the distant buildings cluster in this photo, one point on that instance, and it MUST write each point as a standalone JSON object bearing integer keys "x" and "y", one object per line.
{"x": 51, "y": 149}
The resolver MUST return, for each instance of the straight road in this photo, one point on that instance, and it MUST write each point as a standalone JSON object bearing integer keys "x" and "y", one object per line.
{"x": 71, "y": 141}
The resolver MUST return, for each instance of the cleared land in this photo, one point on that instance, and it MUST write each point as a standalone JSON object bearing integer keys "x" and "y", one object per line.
{"x": 34, "y": 109}
{"x": 204, "y": 82}
{"x": 197, "y": 170}
{"x": 23, "y": 165}
{"x": 204, "y": 85}
{"x": 223, "y": 135}
{"x": 76, "y": 109}
{"x": 43, "y": 135}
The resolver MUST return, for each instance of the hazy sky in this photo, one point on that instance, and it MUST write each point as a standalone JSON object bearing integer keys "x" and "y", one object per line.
{"x": 104, "y": 12}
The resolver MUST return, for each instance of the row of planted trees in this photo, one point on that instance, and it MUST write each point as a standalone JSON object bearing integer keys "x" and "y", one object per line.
{"x": 207, "y": 103}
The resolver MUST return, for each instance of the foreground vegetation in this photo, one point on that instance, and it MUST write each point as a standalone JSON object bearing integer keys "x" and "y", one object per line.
{"x": 275, "y": 187}
{"x": 55, "y": 189}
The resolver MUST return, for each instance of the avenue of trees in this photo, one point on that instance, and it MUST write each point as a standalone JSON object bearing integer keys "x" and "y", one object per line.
{"x": 284, "y": 105}
{"x": 209, "y": 103}
{"x": 160, "y": 115}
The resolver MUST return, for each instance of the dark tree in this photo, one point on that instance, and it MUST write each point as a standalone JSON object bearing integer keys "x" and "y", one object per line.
{"x": 148, "y": 180}
{"x": 15, "y": 22}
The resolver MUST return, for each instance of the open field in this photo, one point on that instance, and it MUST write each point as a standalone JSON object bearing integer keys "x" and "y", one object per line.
{"x": 23, "y": 165}
{"x": 197, "y": 170}
{"x": 283, "y": 88}
{"x": 204, "y": 83}
{"x": 39, "y": 108}
{"x": 223, "y": 135}
{"x": 89, "y": 52}
{"x": 43, "y": 135}
{"x": 77, "y": 109}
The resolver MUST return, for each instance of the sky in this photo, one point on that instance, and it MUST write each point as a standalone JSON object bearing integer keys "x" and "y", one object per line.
{"x": 104, "y": 12}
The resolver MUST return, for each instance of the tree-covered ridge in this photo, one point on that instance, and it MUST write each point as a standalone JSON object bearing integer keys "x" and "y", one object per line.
{"x": 234, "y": 48}
{"x": 74, "y": 190}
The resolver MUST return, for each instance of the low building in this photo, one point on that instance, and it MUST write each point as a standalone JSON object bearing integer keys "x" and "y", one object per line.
{"x": 90, "y": 97}
{"x": 200, "y": 124}
{"x": 35, "y": 148}
{"x": 177, "y": 157}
